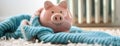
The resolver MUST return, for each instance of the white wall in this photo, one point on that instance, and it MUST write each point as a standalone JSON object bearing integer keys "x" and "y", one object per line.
{"x": 13, "y": 7}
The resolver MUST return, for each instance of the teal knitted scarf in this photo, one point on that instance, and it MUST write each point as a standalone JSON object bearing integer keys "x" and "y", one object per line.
{"x": 11, "y": 28}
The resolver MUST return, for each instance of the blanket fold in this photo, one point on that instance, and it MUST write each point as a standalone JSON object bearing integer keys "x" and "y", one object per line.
{"x": 11, "y": 28}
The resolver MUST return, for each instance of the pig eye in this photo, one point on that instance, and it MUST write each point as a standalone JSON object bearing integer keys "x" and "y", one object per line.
{"x": 52, "y": 11}
{"x": 60, "y": 11}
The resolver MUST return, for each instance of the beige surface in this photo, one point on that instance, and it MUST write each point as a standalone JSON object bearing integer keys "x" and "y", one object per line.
{"x": 100, "y": 28}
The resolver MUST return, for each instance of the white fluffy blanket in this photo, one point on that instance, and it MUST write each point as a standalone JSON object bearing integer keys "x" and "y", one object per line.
{"x": 21, "y": 42}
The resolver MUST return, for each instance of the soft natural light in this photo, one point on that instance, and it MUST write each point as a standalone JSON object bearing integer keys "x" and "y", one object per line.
{"x": 13, "y": 7}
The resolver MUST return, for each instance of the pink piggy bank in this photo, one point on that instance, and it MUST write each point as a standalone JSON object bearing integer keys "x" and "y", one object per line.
{"x": 56, "y": 17}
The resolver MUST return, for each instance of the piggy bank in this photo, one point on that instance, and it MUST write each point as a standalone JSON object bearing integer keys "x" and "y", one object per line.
{"x": 56, "y": 17}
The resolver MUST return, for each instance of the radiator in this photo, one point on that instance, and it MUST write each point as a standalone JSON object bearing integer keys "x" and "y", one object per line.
{"x": 93, "y": 12}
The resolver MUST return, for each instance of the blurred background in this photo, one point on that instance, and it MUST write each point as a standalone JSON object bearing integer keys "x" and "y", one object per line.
{"x": 89, "y": 15}
{"x": 13, "y": 7}
{"x": 86, "y": 13}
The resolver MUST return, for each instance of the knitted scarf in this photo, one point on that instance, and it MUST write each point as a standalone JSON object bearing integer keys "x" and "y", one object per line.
{"x": 11, "y": 28}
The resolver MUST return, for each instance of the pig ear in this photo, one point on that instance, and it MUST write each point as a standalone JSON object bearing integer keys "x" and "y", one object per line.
{"x": 63, "y": 4}
{"x": 48, "y": 5}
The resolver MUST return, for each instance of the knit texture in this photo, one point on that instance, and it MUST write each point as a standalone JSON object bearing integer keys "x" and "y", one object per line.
{"x": 11, "y": 28}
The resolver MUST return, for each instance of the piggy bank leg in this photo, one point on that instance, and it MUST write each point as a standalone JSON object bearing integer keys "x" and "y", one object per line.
{"x": 24, "y": 23}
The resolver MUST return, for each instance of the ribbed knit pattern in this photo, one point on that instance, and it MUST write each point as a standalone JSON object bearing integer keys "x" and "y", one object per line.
{"x": 12, "y": 28}
{"x": 47, "y": 35}
{"x": 10, "y": 25}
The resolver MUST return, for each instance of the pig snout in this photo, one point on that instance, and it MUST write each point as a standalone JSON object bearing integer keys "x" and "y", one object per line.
{"x": 57, "y": 18}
